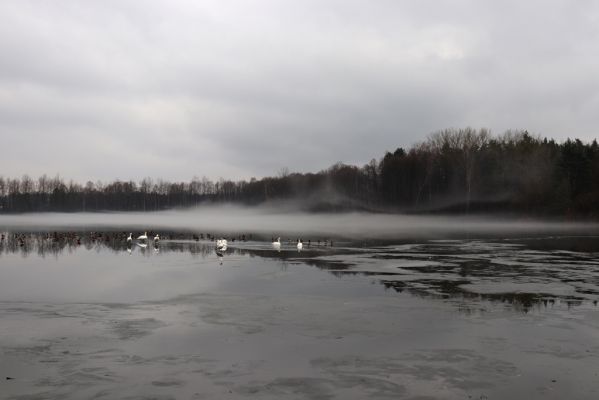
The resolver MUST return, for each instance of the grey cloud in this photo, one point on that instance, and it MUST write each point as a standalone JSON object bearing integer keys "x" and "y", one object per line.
{"x": 237, "y": 89}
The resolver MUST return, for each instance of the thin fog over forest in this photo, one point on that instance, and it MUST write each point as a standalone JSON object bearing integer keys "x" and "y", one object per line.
{"x": 453, "y": 170}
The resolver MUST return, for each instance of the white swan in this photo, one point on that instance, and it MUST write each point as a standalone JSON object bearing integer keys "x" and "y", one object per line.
{"x": 221, "y": 244}
{"x": 300, "y": 245}
{"x": 143, "y": 237}
{"x": 277, "y": 244}
{"x": 156, "y": 238}
{"x": 129, "y": 239}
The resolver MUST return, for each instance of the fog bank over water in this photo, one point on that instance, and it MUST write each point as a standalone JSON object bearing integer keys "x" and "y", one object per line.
{"x": 271, "y": 220}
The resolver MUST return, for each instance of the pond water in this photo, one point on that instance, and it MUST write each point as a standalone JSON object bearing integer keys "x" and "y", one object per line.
{"x": 85, "y": 315}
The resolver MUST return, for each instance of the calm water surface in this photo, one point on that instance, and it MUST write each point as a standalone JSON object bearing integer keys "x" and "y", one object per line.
{"x": 82, "y": 315}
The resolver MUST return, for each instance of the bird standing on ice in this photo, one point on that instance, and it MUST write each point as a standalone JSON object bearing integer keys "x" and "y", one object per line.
{"x": 300, "y": 245}
{"x": 156, "y": 238}
{"x": 129, "y": 239}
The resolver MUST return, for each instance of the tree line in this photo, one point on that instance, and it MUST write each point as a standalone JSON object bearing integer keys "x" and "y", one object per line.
{"x": 453, "y": 170}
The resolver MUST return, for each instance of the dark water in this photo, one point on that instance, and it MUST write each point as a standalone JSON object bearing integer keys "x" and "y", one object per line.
{"x": 82, "y": 315}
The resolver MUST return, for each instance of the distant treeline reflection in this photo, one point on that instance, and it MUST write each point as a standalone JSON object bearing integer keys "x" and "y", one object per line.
{"x": 462, "y": 170}
{"x": 54, "y": 243}
{"x": 424, "y": 282}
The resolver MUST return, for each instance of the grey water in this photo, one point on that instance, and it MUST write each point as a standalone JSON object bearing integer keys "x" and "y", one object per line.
{"x": 456, "y": 313}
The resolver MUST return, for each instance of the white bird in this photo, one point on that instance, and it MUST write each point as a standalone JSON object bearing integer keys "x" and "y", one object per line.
{"x": 300, "y": 245}
{"x": 221, "y": 244}
{"x": 143, "y": 237}
{"x": 129, "y": 239}
{"x": 277, "y": 244}
{"x": 156, "y": 238}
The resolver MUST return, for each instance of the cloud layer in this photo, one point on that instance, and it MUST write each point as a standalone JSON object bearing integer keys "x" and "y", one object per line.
{"x": 172, "y": 89}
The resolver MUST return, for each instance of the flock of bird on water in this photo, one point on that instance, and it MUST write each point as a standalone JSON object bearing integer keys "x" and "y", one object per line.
{"x": 222, "y": 243}
{"x": 142, "y": 240}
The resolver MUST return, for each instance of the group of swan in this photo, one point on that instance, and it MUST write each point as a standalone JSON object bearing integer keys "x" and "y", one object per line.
{"x": 142, "y": 238}
{"x": 221, "y": 244}
{"x": 142, "y": 241}
{"x": 277, "y": 244}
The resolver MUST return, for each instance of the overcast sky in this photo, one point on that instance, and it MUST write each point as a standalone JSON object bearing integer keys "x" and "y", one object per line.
{"x": 172, "y": 89}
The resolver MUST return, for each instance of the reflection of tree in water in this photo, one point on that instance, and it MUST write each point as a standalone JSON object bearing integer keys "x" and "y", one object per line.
{"x": 45, "y": 244}
{"x": 54, "y": 243}
{"x": 446, "y": 268}
{"x": 469, "y": 301}
{"x": 440, "y": 270}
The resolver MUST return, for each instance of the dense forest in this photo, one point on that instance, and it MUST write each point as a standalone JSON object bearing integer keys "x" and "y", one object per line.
{"x": 463, "y": 170}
